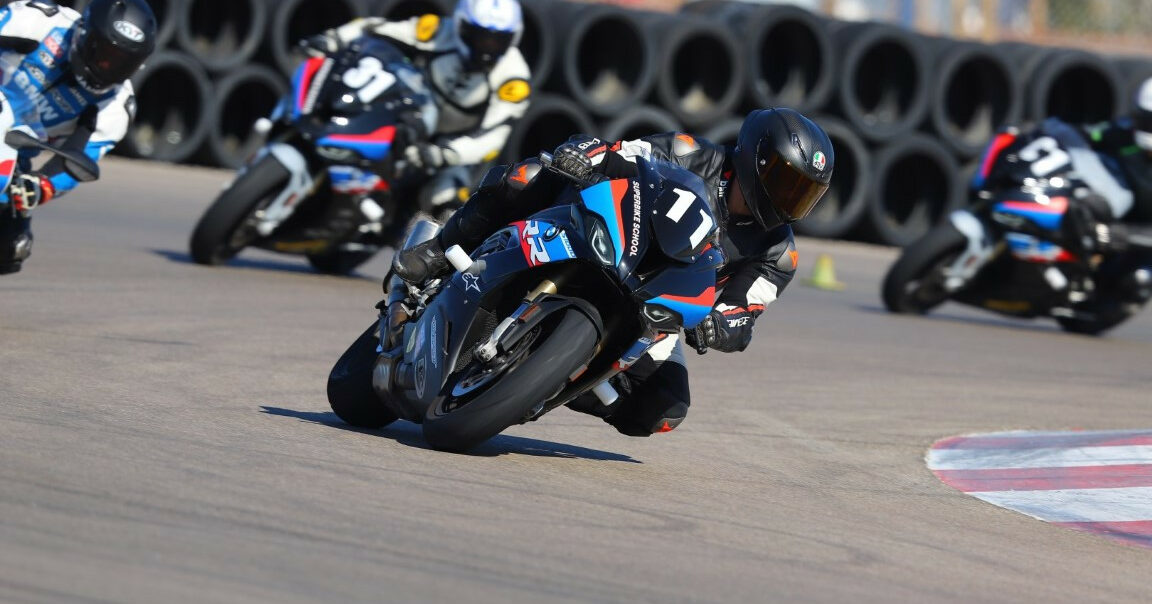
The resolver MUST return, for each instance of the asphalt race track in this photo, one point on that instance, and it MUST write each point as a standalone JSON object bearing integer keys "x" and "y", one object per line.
{"x": 165, "y": 437}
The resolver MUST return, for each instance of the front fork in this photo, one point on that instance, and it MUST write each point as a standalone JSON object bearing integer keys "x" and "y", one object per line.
{"x": 301, "y": 185}
{"x": 975, "y": 256}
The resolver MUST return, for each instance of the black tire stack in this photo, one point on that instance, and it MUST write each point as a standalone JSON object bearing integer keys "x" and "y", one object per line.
{"x": 909, "y": 114}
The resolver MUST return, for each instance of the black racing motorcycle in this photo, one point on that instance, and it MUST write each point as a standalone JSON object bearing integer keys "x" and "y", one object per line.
{"x": 546, "y": 309}
{"x": 323, "y": 184}
{"x": 1024, "y": 247}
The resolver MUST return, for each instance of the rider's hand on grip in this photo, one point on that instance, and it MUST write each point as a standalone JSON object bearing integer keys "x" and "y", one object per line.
{"x": 728, "y": 331}
{"x": 702, "y": 336}
{"x": 425, "y": 156}
{"x": 572, "y": 161}
{"x": 29, "y": 190}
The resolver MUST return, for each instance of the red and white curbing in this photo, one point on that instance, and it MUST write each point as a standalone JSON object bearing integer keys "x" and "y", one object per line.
{"x": 1099, "y": 482}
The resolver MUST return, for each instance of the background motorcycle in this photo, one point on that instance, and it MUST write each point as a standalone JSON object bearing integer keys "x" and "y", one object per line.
{"x": 322, "y": 186}
{"x": 545, "y": 310}
{"x": 1020, "y": 249}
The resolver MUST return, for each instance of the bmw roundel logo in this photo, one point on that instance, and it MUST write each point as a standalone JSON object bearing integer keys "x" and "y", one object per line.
{"x": 129, "y": 30}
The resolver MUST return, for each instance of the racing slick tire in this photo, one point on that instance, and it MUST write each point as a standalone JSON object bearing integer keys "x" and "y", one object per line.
{"x": 458, "y": 423}
{"x": 216, "y": 238}
{"x": 905, "y": 289}
{"x": 350, "y": 391}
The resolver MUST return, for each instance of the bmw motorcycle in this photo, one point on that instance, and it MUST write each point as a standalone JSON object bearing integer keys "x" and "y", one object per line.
{"x": 1020, "y": 250}
{"x": 545, "y": 310}
{"x": 322, "y": 186}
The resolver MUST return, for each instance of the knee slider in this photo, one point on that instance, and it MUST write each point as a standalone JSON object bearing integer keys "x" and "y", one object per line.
{"x": 639, "y": 425}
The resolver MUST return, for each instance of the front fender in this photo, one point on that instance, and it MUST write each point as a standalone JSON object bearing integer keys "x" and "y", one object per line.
{"x": 980, "y": 249}
{"x": 300, "y": 185}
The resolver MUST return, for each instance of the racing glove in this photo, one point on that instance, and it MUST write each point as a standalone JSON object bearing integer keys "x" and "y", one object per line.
{"x": 30, "y": 190}
{"x": 728, "y": 330}
{"x": 571, "y": 160}
{"x": 426, "y": 157}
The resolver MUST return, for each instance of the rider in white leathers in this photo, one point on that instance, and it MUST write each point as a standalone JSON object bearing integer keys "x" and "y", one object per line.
{"x": 480, "y": 82}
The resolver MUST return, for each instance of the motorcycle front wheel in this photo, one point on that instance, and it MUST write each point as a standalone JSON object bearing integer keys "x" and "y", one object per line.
{"x": 220, "y": 234}
{"x": 540, "y": 370}
{"x": 914, "y": 283}
{"x": 350, "y": 391}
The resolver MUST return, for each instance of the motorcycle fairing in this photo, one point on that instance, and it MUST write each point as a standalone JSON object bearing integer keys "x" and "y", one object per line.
{"x": 1034, "y": 249}
{"x": 683, "y": 222}
{"x": 351, "y": 180}
{"x": 372, "y": 145}
{"x": 605, "y": 200}
{"x": 543, "y": 242}
{"x": 306, "y": 85}
{"x": 1024, "y": 220}
{"x": 991, "y": 154}
{"x": 1048, "y": 215}
{"x": 687, "y": 290}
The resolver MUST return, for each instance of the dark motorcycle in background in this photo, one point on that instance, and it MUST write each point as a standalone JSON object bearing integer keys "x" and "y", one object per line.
{"x": 545, "y": 310}
{"x": 1020, "y": 250}
{"x": 323, "y": 184}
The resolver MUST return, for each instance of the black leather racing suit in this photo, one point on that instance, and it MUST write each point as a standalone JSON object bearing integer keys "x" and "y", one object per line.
{"x": 654, "y": 391}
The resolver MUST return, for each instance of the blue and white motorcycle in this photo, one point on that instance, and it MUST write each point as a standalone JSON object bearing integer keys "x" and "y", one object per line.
{"x": 546, "y": 309}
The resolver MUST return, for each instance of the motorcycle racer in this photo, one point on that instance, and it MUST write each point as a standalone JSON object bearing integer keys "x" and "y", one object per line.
{"x": 478, "y": 77}
{"x": 1119, "y": 176}
{"x": 781, "y": 166}
{"x": 74, "y": 69}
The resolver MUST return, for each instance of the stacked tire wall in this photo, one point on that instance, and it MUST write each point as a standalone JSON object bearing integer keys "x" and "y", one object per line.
{"x": 908, "y": 114}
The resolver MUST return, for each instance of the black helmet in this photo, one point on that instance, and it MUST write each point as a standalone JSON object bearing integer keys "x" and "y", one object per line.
{"x": 1142, "y": 116}
{"x": 783, "y": 165}
{"x": 112, "y": 40}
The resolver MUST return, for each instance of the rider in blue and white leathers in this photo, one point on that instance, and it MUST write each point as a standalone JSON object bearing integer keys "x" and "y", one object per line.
{"x": 73, "y": 69}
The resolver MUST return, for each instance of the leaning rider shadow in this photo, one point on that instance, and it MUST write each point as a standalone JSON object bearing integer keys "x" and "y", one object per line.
{"x": 409, "y": 434}
{"x": 287, "y": 266}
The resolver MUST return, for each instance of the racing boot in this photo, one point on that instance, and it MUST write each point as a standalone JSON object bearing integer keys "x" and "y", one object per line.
{"x": 15, "y": 242}
{"x": 487, "y": 209}
{"x": 422, "y": 262}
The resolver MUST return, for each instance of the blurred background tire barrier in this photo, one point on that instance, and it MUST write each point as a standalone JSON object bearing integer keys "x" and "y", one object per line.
{"x": 909, "y": 114}
{"x": 174, "y": 100}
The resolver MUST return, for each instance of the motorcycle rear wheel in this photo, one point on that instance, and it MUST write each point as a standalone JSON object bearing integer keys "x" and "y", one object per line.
{"x": 908, "y": 286}
{"x": 540, "y": 374}
{"x": 350, "y": 391}
{"x": 217, "y": 237}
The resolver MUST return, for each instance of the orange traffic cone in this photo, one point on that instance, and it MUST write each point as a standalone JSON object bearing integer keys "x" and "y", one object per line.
{"x": 824, "y": 275}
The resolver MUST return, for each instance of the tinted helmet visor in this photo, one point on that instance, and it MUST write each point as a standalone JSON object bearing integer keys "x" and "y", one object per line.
{"x": 791, "y": 193}
{"x": 103, "y": 63}
{"x": 486, "y": 46}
